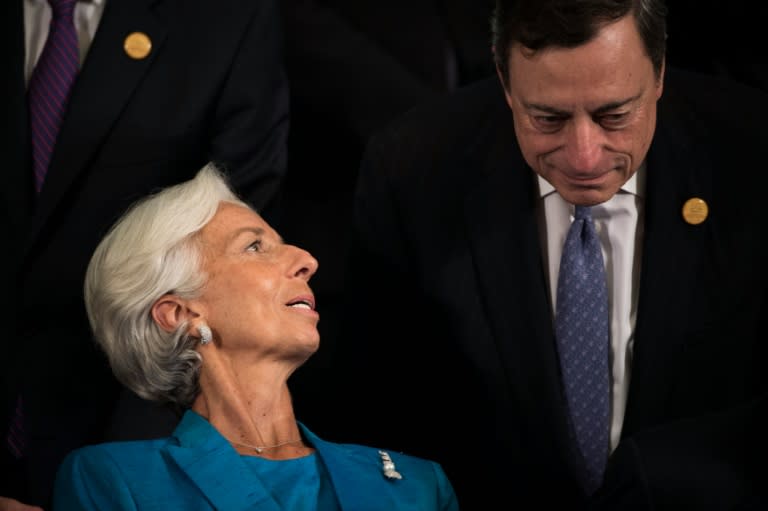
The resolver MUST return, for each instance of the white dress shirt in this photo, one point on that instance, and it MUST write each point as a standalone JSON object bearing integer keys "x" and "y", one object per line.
{"x": 619, "y": 225}
{"x": 37, "y": 20}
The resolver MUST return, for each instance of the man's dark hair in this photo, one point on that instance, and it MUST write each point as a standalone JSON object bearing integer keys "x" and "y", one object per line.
{"x": 538, "y": 24}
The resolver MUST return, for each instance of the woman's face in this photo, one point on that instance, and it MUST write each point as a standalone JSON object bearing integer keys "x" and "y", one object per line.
{"x": 257, "y": 297}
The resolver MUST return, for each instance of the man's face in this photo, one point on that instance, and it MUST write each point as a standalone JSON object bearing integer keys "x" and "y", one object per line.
{"x": 584, "y": 117}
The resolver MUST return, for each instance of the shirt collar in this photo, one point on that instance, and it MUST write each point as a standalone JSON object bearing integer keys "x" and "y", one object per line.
{"x": 634, "y": 185}
{"x": 94, "y": 2}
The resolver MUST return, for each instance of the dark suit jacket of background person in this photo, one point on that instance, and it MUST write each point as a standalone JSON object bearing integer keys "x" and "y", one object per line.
{"x": 720, "y": 38}
{"x": 213, "y": 87}
{"x": 353, "y": 66}
{"x": 450, "y": 325}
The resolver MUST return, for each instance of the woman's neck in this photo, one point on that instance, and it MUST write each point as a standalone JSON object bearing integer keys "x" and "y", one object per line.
{"x": 253, "y": 412}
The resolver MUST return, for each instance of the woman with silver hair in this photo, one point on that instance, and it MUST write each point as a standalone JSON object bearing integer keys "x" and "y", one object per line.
{"x": 198, "y": 302}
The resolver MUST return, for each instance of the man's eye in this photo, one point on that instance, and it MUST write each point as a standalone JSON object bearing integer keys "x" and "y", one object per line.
{"x": 548, "y": 122}
{"x": 254, "y": 247}
{"x": 613, "y": 120}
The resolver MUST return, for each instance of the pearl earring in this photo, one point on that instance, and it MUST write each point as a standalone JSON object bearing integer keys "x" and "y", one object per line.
{"x": 206, "y": 335}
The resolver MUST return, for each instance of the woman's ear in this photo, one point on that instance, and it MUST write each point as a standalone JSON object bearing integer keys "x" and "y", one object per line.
{"x": 170, "y": 311}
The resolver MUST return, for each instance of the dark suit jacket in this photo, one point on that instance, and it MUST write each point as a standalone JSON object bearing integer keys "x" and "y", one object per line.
{"x": 711, "y": 462}
{"x": 212, "y": 88}
{"x": 450, "y": 321}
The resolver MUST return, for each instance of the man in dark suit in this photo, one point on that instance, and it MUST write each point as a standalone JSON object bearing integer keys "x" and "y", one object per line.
{"x": 165, "y": 86}
{"x": 461, "y": 212}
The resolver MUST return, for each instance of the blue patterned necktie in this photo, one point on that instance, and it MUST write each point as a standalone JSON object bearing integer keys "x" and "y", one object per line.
{"x": 583, "y": 335}
{"x": 50, "y": 85}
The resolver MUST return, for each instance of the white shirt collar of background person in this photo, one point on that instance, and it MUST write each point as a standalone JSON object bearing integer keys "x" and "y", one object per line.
{"x": 37, "y": 19}
{"x": 619, "y": 224}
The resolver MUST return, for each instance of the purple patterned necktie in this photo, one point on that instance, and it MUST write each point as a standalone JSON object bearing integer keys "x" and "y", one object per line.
{"x": 16, "y": 437}
{"x": 50, "y": 85}
{"x": 583, "y": 337}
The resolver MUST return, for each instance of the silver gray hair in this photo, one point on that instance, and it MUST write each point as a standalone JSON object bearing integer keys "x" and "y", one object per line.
{"x": 153, "y": 250}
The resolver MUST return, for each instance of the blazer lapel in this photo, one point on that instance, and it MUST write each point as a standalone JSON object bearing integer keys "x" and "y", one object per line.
{"x": 215, "y": 467}
{"x": 355, "y": 476}
{"x": 676, "y": 258}
{"x": 102, "y": 89}
{"x": 503, "y": 234}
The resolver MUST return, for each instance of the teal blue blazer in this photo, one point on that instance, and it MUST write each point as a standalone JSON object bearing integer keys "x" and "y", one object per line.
{"x": 197, "y": 469}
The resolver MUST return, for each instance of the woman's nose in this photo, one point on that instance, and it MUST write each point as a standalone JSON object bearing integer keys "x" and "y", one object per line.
{"x": 306, "y": 265}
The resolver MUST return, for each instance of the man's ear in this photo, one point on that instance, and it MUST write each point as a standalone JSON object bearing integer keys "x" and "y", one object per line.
{"x": 170, "y": 311}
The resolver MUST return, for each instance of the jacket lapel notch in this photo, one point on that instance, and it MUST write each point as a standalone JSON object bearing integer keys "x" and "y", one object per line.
{"x": 208, "y": 460}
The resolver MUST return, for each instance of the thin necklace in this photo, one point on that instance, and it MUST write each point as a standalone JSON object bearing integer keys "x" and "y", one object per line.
{"x": 261, "y": 448}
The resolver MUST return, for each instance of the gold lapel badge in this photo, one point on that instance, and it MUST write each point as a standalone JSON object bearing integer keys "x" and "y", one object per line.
{"x": 137, "y": 45}
{"x": 695, "y": 211}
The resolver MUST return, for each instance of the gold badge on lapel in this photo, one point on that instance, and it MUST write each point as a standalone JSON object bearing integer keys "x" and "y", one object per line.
{"x": 137, "y": 45}
{"x": 695, "y": 211}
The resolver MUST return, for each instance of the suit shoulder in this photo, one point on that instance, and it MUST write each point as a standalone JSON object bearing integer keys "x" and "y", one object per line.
{"x": 699, "y": 84}
{"x": 713, "y": 99}
{"x": 226, "y": 20}
{"x": 108, "y": 475}
{"x": 235, "y": 8}
{"x": 123, "y": 454}
{"x": 449, "y": 118}
{"x": 717, "y": 117}
{"x": 446, "y": 142}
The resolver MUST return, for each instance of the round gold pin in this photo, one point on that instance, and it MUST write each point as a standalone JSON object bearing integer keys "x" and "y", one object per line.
{"x": 695, "y": 211}
{"x": 137, "y": 45}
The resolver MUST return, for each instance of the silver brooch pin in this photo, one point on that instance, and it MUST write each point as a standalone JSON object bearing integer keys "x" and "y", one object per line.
{"x": 388, "y": 466}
